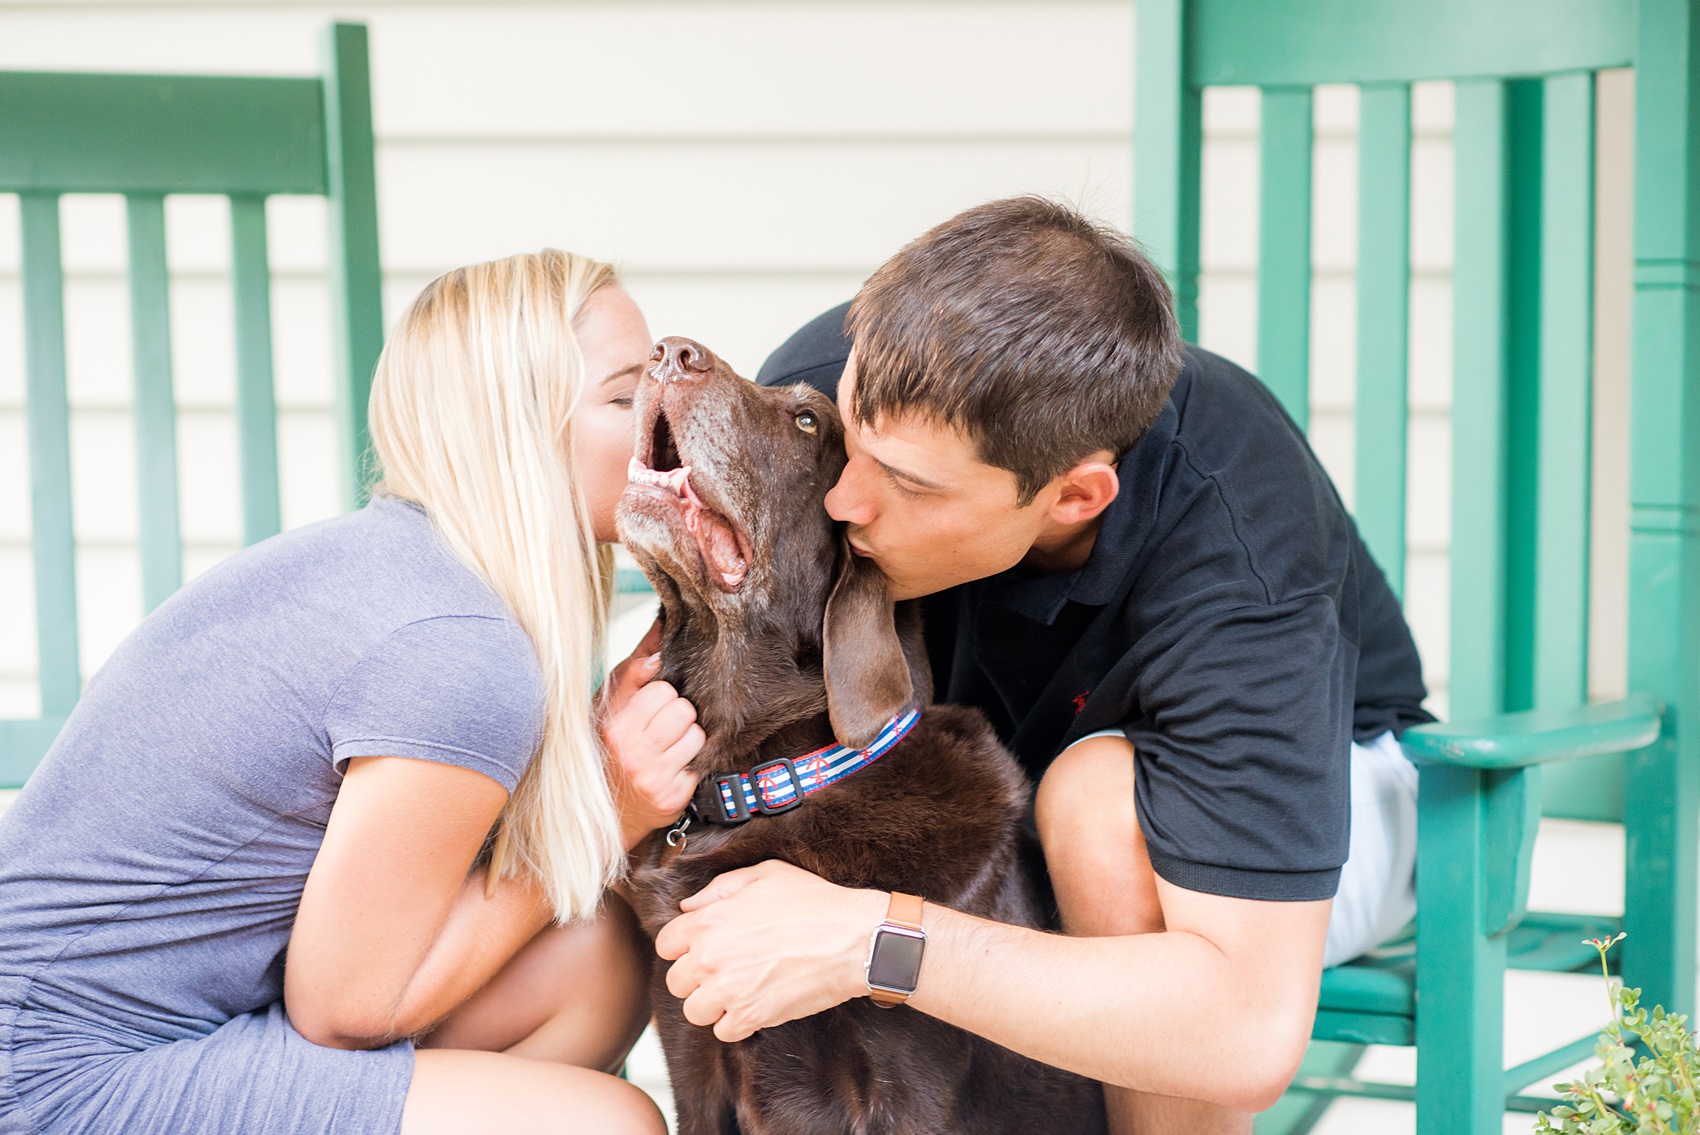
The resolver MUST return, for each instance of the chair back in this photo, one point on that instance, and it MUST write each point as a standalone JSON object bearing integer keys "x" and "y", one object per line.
{"x": 147, "y": 136}
{"x": 1523, "y": 316}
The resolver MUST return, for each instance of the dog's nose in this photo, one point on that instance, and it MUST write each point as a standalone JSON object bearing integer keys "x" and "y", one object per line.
{"x": 676, "y": 357}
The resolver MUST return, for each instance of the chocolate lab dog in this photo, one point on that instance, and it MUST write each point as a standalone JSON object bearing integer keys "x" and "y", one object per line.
{"x": 789, "y": 644}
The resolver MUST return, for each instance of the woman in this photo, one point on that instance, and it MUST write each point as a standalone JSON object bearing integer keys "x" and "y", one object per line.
{"x": 243, "y": 881}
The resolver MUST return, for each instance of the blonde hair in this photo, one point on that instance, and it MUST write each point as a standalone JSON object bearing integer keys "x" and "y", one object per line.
{"x": 472, "y": 417}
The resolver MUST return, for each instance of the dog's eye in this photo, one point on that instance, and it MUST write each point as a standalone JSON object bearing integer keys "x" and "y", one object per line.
{"x": 806, "y": 422}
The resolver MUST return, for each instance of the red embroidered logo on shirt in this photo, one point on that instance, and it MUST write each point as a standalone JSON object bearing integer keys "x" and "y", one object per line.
{"x": 1080, "y": 701}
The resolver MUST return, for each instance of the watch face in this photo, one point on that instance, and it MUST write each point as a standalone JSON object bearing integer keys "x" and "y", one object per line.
{"x": 896, "y": 960}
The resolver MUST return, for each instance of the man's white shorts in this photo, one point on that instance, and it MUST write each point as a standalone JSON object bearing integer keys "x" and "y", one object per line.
{"x": 1378, "y": 891}
{"x": 1377, "y": 895}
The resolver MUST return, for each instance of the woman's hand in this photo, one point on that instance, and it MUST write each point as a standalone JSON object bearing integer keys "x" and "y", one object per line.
{"x": 652, "y": 734}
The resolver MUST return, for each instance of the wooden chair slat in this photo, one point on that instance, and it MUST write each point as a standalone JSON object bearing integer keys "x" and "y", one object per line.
{"x": 48, "y": 422}
{"x": 1479, "y": 396}
{"x": 1587, "y": 790}
{"x": 1566, "y": 391}
{"x": 256, "y": 405}
{"x": 1168, "y": 149}
{"x": 1283, "y": 259}
{"x": 1522, "y": 303}
{"x": 1383, "y": 282}
{"x": 357, "y": 284}
{"x": 160, "y": 538}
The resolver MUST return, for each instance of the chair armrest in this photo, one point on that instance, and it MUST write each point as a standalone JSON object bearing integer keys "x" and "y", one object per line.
{"x": 1537, "y": 736}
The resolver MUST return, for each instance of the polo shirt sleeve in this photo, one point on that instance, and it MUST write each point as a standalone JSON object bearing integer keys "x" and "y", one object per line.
{"x": 1242, "y": 742}
{"x": 460, "y": 689}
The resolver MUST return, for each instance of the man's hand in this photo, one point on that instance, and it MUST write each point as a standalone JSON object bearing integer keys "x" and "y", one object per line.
{"x": 768, "y": 944}
{"x": 652, "y": 734}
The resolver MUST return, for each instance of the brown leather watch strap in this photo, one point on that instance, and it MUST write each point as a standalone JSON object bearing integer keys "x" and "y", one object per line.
{"x": 903, "y": 910}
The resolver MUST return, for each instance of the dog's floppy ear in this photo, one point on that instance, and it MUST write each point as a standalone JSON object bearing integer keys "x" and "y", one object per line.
{"x": 867, "y": 674}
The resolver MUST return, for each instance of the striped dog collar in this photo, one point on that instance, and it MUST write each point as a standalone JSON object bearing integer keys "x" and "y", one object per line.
{"x": 778, "y": 786}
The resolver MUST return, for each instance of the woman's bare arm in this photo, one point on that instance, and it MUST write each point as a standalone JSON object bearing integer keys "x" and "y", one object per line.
{"x": 392, "y": 931}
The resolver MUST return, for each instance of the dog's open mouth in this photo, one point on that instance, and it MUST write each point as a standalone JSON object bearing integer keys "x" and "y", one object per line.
{"x": 719, "y": 543}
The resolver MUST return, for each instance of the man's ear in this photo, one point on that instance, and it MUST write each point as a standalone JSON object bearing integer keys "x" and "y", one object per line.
{"x": 1086, "y": 490}
{"x": 867, "y": 674}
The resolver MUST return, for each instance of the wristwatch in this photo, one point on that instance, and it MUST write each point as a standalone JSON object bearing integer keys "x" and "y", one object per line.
{"x": 894, "y": 954}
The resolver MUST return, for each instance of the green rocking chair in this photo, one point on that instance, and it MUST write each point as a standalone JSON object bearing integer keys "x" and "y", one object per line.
{"x": 147, "y": 136}
{"x": 1523, "y": 284}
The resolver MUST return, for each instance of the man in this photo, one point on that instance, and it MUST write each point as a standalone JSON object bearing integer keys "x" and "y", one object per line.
{"x": 1132, "y": 562}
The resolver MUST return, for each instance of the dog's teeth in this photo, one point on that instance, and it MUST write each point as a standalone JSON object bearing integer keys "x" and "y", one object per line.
{"x": 732, "y": 579}
{"x": 634, "y": 470}
{"x": 676, "y": 479}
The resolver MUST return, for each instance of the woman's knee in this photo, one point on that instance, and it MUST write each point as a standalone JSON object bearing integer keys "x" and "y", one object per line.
{"x": 574, "y": 995}
{"x": 457, "y": 1091}
{"x": 615, "y": 948}
{"x": 603, "y": 1005}
{"x": 600, "y": 1016}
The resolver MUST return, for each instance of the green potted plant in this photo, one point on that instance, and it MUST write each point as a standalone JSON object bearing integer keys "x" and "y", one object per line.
{"x": 1630, "y": 1092}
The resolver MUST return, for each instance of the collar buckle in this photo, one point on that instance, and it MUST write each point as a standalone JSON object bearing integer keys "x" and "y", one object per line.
{"x": 765, "y": 792}
{"x": 729, "y": 805}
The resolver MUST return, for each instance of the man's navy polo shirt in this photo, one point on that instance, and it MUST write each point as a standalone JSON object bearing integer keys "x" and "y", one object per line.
{"x": 1229, "y": 620}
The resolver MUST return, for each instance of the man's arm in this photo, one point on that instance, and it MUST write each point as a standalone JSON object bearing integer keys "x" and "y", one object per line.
{"x": 1217, "y": 1007}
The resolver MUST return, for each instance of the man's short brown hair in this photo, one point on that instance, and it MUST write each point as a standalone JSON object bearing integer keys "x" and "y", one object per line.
{"x": 1039, "y": 335}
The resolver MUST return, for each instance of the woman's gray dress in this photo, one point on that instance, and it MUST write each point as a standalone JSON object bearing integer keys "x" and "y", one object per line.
{"x": 151, "y": 869}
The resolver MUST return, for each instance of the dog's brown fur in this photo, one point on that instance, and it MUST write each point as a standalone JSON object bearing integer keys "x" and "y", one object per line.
{"x": 805, "y": 649}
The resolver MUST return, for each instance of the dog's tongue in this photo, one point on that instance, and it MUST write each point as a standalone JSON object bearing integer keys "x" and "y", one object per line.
{"x": 720, "y": 548}
{"x": 715, "y": 538}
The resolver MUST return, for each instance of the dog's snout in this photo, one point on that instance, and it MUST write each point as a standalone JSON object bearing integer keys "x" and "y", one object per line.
{"x": 676, "y": 357}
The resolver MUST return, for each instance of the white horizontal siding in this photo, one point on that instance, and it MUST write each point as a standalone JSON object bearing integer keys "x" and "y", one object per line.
{"x": 661, "y": 70}
{"x": 748, "y": 208}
